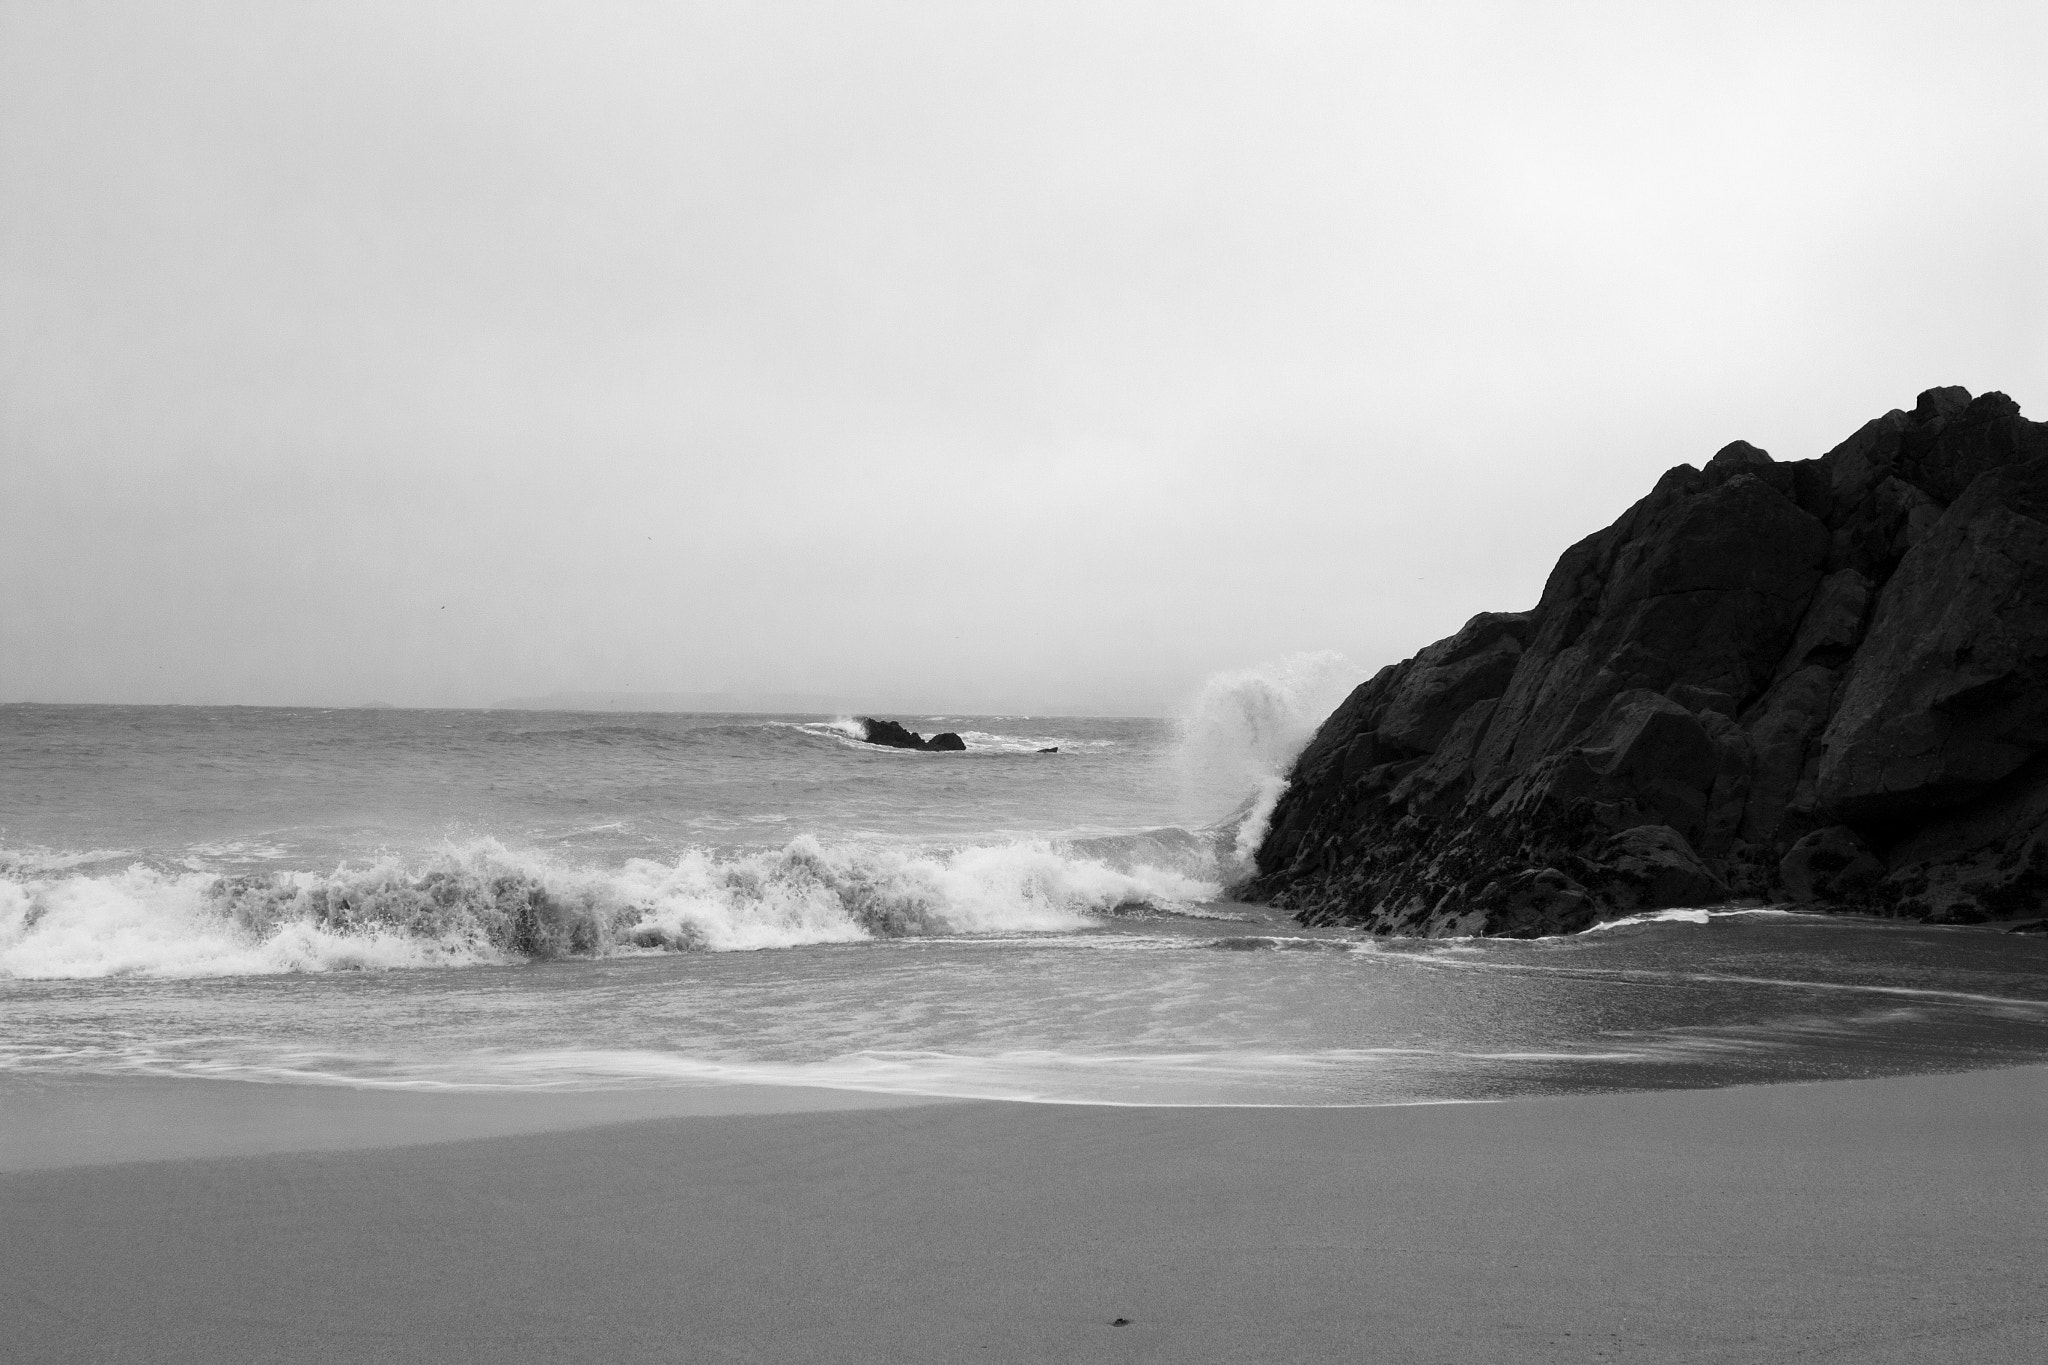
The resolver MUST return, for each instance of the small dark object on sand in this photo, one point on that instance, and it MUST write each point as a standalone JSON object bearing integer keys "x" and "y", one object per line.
{"x": 1121, "y": 1322}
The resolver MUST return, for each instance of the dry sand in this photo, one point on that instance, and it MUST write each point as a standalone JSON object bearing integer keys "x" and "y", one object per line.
{"x": 1879, "y": 1221}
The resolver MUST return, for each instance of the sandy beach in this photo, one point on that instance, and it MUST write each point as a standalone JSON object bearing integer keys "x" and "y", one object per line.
{"x": 915, "y": 683}
{"x": 1887, "y": 1220}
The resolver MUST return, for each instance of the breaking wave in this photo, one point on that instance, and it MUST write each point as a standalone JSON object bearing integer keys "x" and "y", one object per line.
{"x": 482, "y": 903}
{"x": 1242, "y": 733}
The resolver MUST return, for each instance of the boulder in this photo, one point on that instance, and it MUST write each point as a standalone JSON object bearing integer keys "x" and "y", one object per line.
{"x": 1652, "y": 867}
{"x": 945, "y": 741}
{"x": 1535, "y": 904}
{"x": 1824, "y": 680}
{"x": 1829, "y": 865}
{"x": 1657, "y": 754}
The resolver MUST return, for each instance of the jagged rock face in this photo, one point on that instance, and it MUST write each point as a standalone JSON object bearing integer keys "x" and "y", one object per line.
{"x": 1949, "y": 692}
{"x": 1824, "y": 681}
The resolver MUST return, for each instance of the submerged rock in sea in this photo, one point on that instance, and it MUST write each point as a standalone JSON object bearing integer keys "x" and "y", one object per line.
{"x": 1823, "y": 681}
{"x": 892, "y": 735}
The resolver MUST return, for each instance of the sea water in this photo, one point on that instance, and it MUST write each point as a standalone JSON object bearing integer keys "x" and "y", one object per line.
{"x": 528, "y": 900}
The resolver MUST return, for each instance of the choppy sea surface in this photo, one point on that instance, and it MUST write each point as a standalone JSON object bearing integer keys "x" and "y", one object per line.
{"x": 517, "y": 899}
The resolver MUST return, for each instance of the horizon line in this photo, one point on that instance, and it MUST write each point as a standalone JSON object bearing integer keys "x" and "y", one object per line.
{"x": 535, "y": 704}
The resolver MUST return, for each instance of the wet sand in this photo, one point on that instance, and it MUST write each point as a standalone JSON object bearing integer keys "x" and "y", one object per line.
{"x": 1881, "y": 1221}
{"x": 47, "y": 1122}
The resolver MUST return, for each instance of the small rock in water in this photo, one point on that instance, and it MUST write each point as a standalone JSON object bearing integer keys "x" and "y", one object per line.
{"x": 1121, "y": 1322}
{"x": 1053, "y": 750}
{"x": 891, "y": 735}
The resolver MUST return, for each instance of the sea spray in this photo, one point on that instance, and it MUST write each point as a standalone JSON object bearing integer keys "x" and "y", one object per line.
{"x": 1240, "y": 734}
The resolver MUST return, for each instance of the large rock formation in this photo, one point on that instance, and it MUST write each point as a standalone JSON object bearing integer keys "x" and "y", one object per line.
{"x": 1823, "y": 682}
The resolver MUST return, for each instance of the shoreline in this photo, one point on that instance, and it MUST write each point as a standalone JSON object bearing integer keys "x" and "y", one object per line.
{"x": 1889, "y": 1220}
{"x": 50, "y": 1122}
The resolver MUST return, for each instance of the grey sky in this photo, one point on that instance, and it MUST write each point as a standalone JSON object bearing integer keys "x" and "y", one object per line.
{"x": 939, "y": 354}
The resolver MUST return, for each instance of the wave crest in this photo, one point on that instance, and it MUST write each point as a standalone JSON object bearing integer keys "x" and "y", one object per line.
{"x": 481, "y": 903}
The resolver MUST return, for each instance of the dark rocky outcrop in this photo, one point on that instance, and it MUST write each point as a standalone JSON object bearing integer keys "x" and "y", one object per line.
{"x": 1823, "y": 682}
{"x": 891, "y": 735}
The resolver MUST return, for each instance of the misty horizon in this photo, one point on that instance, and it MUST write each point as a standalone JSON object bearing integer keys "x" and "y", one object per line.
{"x": 730, "y": 702}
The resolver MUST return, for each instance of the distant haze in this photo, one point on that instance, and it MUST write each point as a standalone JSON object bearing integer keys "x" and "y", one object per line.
{"x": 803, "y": 702}
{"x": 946, "y": 355}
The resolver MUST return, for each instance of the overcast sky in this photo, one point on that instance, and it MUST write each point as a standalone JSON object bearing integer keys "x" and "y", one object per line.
{"x": 951, "y": 355}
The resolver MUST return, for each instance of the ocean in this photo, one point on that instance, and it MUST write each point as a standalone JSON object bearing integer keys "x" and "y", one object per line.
{"x": 507, "y": 899}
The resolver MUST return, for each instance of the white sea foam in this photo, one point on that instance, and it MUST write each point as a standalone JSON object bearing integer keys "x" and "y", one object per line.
{"x": 207, "y": 857}
{"x": 480, "y": 902}
{"x": 843, "y": 730}
{"x": 29, "y": 862}
{"x": 145, "y": 922}
{"x": 988, "y": 740}
{"x": 1693, "y": 916}
{"x": 1652, "y": 917}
